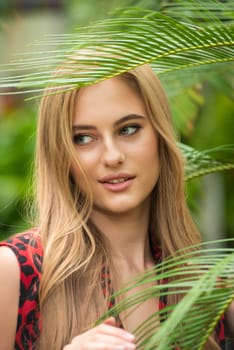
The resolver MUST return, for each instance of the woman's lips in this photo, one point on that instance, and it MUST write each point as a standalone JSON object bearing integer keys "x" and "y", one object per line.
{"x": 116, "y": 183}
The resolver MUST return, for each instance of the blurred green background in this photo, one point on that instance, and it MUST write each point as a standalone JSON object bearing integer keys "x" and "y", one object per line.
{"x": 205, "y": 119}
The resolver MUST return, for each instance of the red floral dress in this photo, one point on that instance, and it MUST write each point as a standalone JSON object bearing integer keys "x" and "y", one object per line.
{"x": 28, "y": 250}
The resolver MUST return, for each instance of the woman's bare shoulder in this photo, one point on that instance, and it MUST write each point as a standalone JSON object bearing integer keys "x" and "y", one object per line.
{"x": 9, "y": 297}
{"x": 8, "y": 261}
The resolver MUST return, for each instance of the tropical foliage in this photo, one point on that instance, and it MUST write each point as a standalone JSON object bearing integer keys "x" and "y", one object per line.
{"x": 141, "y": 36}
{"x": 204, "y": 276}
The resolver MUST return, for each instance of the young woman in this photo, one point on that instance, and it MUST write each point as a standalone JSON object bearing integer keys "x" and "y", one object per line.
{"x": 110, "y": 205}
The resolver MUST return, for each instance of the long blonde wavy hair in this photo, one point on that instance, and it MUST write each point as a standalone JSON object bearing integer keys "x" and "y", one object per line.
{"x": 70, "y": 293}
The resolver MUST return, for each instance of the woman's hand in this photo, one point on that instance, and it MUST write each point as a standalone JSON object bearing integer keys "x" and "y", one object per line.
{"x": 106, "y": 336}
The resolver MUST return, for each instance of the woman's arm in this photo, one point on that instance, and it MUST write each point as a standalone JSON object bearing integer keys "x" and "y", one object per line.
{"x": 9, "y": 297}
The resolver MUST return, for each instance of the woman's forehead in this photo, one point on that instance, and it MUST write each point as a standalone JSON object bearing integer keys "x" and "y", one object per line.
{"x": 112, "y": 97}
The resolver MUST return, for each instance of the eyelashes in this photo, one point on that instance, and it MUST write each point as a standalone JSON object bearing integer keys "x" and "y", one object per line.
{"x": 82, "y": 139}
{"x": 86, "y": 139}
{"x": 129, "y": 129}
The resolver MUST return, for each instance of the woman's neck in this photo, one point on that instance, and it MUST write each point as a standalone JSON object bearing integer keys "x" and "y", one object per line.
{"x": 127, "y": 236}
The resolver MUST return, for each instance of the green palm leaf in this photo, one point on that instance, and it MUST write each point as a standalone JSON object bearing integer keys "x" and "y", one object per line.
{"x": 135, "y": 37}
{"x": 199, "y": 11}
{"x": 199, "y": 163}
{"x": 206, "y": 279}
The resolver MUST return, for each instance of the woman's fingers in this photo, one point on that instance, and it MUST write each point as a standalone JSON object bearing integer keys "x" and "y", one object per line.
{"x": 111, "y": 321}
{"x": 106, "y": 336}
{"x": 114, "y": 331}
{"x": 113, "y": 341}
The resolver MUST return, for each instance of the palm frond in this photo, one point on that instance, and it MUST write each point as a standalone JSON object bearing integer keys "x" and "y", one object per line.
{"x": 193, "y": 11}
{"x": 199, "y": 163}
{"x": 204, "y": 277}
{"x": 112, "y": 46}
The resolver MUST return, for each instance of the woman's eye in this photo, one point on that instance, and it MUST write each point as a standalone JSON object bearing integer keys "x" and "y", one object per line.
{"x": 82, "y": 139}
{"x": 129, "y": 130}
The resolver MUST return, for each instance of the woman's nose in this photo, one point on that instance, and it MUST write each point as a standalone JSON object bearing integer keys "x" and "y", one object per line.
{"x": 112, "y": 155}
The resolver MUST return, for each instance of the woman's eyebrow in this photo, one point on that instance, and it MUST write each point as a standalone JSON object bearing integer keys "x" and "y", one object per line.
{"x": 128, "y": 117}
{"x": 83, "y": 127}
{"x": 119, "y": 121}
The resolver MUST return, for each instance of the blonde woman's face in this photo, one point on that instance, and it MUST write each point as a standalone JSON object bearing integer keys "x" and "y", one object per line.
{"x": 116, "y": 145}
